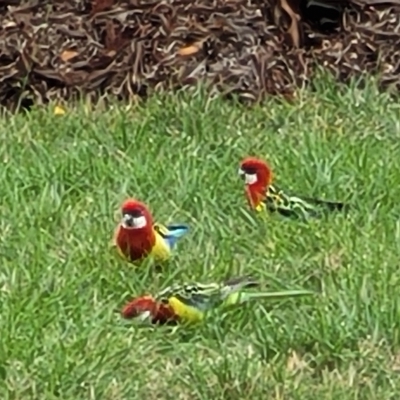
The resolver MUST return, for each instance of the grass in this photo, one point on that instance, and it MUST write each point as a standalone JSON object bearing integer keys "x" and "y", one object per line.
{"x": 63, "y": 179}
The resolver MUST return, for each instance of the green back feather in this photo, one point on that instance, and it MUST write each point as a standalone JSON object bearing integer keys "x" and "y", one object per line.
{"x": 233, "y": 291}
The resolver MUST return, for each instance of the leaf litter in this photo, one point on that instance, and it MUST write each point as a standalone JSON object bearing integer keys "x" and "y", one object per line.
{"x": 60, "y": 51}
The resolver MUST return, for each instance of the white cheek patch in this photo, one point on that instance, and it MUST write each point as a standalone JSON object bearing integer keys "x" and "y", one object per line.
{"x": 250, "y": 179}
{"x": 143, "y": 316}
{"x": 137, "y": 223}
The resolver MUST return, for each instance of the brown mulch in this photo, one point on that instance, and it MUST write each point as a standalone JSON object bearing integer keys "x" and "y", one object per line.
{"x": 60, "y": 50}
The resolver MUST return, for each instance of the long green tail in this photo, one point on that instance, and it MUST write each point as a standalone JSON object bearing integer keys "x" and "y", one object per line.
{"x": 243, "y": 297}
{"x": 237, "y": 282}
{"x": 330, "y": 205}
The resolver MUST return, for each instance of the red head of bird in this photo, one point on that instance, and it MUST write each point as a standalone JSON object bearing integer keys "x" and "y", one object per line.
{"x": 257, "y": 176}
{"x": 147, "y": 308}
{"x": 135, "y": 236}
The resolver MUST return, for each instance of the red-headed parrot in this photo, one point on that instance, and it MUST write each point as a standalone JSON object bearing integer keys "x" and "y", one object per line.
{"x": 262, "y": 195}
{"x": 137, "y": 235}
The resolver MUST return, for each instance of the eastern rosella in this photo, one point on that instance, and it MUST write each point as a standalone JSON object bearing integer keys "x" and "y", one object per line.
{"x": 261, "y": 194}
{"x": 137, "y": 236}
{"x": 191, "y": 301}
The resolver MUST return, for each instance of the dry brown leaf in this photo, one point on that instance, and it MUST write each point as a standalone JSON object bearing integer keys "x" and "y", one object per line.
{"x": 67, "y": 55}
{"x": 294, "y": 26}
{"x": 290, "y": 97}
{"x": 189, "y": 50}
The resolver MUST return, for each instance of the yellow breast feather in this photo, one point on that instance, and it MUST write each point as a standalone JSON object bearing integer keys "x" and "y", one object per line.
{"x": 161, "y": 250}
{"x": 185, "y": 312}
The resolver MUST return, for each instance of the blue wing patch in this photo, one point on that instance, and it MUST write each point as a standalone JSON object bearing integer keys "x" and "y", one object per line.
{"x": 171, "y": 233}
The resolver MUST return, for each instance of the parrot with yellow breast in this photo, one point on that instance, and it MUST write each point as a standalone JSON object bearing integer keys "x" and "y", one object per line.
{"x": 262, "y": 195}
{"x": 190, "y": 302}
{"x": 137, "y": 236}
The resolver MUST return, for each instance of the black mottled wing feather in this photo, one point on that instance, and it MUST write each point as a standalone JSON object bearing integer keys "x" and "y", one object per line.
{"x": 295, "y": 206}
{"x": 205, "y": 296}
{"x": 191, "y": 293}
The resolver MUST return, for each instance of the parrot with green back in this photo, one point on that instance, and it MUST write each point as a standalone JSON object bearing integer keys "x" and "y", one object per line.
{"x": 190, "y": 302}
{"x": 262, "y": 195}
{"x": 137, "y": 236}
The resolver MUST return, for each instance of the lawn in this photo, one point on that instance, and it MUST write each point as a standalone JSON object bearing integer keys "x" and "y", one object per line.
{"x": 63, "y": 178}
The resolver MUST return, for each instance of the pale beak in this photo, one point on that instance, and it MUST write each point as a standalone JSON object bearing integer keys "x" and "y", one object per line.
{"x": 241, "y": 173}
{"x": 127, "y": 221}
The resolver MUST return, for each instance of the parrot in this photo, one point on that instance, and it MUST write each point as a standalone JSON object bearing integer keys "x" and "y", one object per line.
{"x": 137, "y": 236}
{"x": 262, "y": 195}
{"x": 190, "y": 302}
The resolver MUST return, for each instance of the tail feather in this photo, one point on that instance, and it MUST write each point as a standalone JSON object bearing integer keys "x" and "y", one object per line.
{"x": 243, "y": 297}
{"x": 330, "y": 205}
{"x": 242, "y": 282}
{"x": 175, "y": 232}
{"x": 290, "y": 205}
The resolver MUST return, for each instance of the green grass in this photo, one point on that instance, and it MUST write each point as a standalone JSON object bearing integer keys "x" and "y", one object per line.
{"x": 63, "y": 179}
